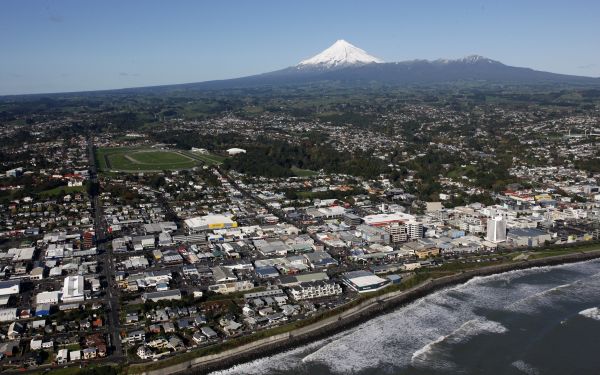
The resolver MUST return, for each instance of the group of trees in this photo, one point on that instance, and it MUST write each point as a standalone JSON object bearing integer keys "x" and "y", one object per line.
{"x": 274, "y": 158}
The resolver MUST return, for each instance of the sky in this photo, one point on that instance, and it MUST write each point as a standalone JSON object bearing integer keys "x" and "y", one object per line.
{"x": 73, "y": 45}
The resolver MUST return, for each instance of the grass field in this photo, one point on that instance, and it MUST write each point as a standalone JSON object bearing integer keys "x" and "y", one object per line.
{"x": 303, "y": 172}
{"x": 140, "y": 159}
{"x": 135, "y": 159}
{"x": 62, "y": 189}
{"x": 209, "y": 159}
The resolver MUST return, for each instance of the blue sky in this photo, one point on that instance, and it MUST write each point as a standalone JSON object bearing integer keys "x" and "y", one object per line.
{"x": 56, "y": 46}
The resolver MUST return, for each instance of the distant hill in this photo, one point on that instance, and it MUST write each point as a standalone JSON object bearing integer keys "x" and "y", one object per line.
{"x": 347, "y": 64}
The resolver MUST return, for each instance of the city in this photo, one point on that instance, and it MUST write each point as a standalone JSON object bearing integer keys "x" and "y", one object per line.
{"x": 231, "y": 188}
{"x": 103, "y": 263}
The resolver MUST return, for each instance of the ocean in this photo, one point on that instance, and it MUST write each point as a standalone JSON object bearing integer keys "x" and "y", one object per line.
{"x": 542, "y": 320}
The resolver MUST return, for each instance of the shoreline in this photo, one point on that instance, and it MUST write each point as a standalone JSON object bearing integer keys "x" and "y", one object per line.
{"x": 364, "y": 311}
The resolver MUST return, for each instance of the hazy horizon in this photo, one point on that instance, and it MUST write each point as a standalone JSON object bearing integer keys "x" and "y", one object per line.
{"x": 83, "y": 46}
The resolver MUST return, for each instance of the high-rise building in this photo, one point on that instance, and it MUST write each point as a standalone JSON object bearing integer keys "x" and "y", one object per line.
{"x": 414, "y": 230}
{"x": 496, "y": 229}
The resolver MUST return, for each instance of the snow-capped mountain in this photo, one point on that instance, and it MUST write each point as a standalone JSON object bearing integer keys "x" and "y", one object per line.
{"x": 340, "y": 54}
{"x": 345, "y": 64}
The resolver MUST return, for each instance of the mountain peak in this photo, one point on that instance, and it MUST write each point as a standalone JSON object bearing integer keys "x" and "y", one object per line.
{"x": 341, "y": 53}
{"x": 470, "y": 59}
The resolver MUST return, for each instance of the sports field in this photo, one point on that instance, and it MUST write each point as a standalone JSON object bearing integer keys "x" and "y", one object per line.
{"x": 136, "y": 159}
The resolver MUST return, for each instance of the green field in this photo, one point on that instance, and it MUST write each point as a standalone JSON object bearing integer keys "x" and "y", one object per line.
{"x": 123, "y": 159}
{"x": 303, "y": 172}
{"x": 136, "y": 159}
{"x": 62, "y": 189}
{"x": 209, "y": 159}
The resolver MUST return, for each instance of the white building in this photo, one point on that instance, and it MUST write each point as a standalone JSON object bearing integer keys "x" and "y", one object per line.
{"x": 414, "y": 229}
{"x": 62, "y": 357}
{"x": 236, "y": 151}
{"x": 47, "y": 297}
{"x": 496, "y": 229}
{"x": 8, "y": 315}
{"x": 315, "y": 289}
{"x": 9, "y": 287}
{"x": 73, "y": 289}
{"x": 200, "y": 223}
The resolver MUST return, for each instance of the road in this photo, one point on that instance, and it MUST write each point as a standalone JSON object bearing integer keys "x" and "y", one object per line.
{"x": 107, "y": 259}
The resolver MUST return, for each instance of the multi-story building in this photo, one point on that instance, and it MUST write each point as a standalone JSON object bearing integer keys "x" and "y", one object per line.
{"x": 315, "y": 289}
{"x": 496, "y": 229}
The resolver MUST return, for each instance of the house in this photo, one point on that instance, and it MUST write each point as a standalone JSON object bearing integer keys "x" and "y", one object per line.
{"x": 62, "y": 356}
{"x": 198, "y": 338}
{"x": 89, "y": 353}
{"x": 169, "y": 327}
{"x": 9, "y": 348}
{"x": 75, "y": 355}
{"x": 134, "y": 336}
{"x": 15, "y": 330}
{"x": 175, "y": 343}
{"x": 208, "y": 332}
{"x": 145, "y": 352}
{"x": 35, "y": 344}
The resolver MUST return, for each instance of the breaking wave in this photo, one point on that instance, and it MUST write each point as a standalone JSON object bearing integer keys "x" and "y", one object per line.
{"x": 525, "y": 367}
{"x": 592, "y": 313}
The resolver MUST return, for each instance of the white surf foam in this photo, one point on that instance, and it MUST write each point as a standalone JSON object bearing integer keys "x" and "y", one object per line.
{"x": 592, "y": 313}
{"x": 525, "y": 368}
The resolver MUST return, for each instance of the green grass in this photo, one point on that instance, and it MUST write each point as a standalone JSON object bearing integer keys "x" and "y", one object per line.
{"x": 303, "y": 172}
{"x": 62, "y": 189}
{"x": 209, "y": 159}
{"x": 136, "y": 159}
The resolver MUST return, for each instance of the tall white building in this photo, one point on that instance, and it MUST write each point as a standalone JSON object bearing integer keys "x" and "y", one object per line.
{"x": 73, "y": 289}
{"x": 414, "y": 229}
{"x": 496, "y": 229}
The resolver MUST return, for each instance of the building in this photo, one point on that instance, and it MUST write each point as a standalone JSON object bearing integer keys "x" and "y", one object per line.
{"x": 10, "y": 287}
{"x": 496, "y": 229}
{"x": 209, "y": 332}
{"x": 373, "y": 234}
{"x": 320, "y": 259}
{"x": 223, "y": 274}
{"x": 315, "y": 289}
{"x": 44, "y": 298}
{"x": 529, "y": 237}
{"x": 397, "y": 232}
{"x": 364, "y": 281}
{"x": 73, "y": 289}
{"x": 235, "y": 151}
{"x": 8, "y": 315}
{"x": 414, "y": 229}
{"x": 207, "y": 222}
{"x": 88, "y": 239}
{"x": 231, "y": 287}
{"x": 42, "y": 310}
{"x": 62, "y": 357}
{"x": 167, "y": 295}
{"x": 352, "y": 220}
{"x": 382, "y": 220}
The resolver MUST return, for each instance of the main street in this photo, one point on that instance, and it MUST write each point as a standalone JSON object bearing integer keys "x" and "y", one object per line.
{"x": 106, "y": 258}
